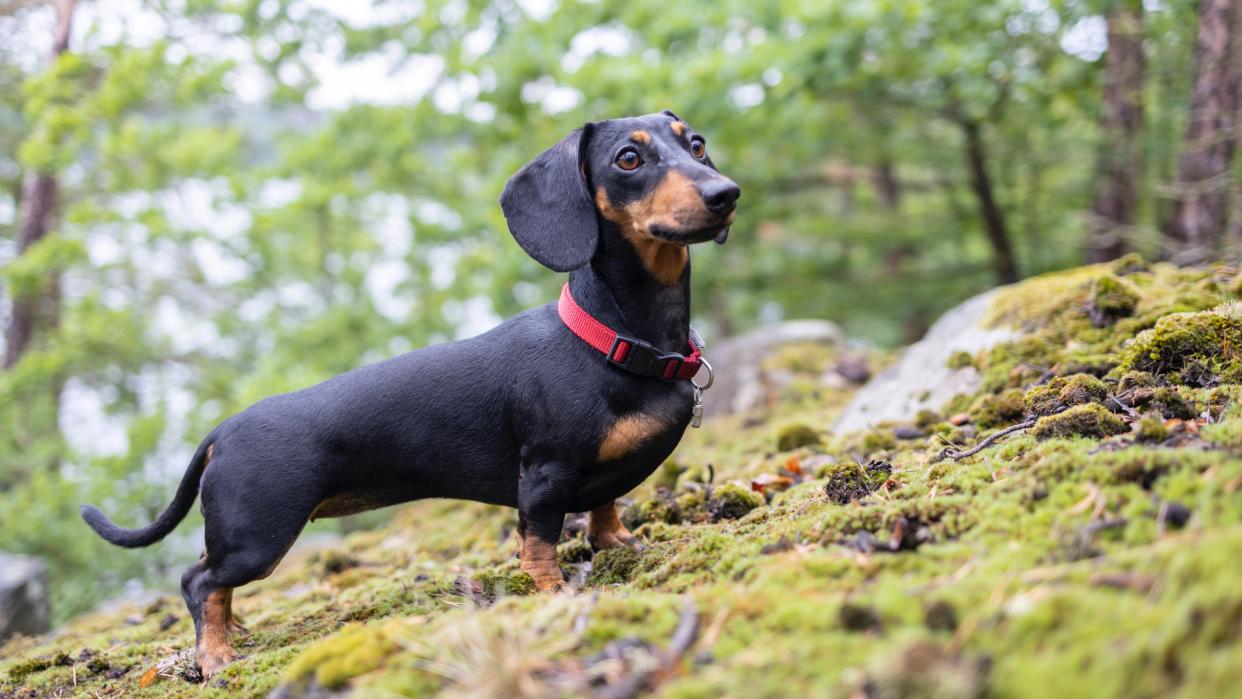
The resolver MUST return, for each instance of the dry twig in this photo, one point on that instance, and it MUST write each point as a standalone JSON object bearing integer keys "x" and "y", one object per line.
{"x": 683, "y": 639}
{"x": 959, "y": 455}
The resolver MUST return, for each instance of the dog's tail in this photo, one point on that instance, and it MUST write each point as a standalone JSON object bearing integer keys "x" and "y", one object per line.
{"x": 168, "y": 519}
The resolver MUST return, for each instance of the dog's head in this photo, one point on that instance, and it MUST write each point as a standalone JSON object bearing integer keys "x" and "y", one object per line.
{"x": 650, "y": 176}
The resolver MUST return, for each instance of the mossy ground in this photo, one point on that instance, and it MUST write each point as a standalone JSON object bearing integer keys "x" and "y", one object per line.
{"x": 1069, "y": 566}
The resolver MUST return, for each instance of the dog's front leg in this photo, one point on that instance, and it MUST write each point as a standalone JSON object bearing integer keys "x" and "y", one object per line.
{"x": 544, "y": 491}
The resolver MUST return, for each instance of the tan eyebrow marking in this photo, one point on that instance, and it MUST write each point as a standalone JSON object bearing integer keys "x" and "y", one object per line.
{"x": 678, "y": 127}
{"x": 641, "y": 137}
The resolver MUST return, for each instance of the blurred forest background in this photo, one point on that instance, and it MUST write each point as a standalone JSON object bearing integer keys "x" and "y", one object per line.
{"x": 205, "y": 202}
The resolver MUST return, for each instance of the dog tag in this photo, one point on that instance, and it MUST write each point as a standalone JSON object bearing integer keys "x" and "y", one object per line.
{"x": 696, "y": 412}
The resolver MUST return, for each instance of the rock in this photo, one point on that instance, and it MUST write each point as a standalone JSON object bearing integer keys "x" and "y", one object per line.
{"x": 740, "y": 381}
{"x": 906, "y": 432}
{"x": 921, "y": 379}
{"x": 24, "y": 606}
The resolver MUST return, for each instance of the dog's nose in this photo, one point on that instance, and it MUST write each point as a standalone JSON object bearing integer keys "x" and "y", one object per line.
{"x": 720, "y": 195}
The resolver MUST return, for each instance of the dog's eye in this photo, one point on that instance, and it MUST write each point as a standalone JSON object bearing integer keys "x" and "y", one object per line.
{"x": 698, "y": 148}
{"x": 628, "y": 159}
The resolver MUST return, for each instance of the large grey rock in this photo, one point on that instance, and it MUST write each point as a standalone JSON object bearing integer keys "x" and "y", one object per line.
{"x": 921, "y": 378}
{"x": 24, "y": 606}
{"x": 740, "y": 382}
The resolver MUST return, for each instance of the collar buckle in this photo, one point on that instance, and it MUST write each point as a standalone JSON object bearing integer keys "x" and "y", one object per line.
{"x": 639, "y": 357}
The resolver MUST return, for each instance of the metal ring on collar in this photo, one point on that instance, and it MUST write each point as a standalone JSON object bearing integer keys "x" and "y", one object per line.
{"x": 711, "y": 376}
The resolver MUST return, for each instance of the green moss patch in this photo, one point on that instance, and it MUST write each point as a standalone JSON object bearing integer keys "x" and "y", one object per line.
{"x": 1091, "y": 420}
{"x": 1194, "y": 348}
{"x": 1039, "y": 566}
{"x": 1110, "y": 299}
{"x": 797, "y": 435}
{"x": 999, "y": 410}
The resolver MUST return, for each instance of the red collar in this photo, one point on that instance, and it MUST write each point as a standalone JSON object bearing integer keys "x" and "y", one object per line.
{"x": 631, "y": 354}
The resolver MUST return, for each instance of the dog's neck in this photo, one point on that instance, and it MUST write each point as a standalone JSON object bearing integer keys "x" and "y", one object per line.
{"x": 618, "y": 290}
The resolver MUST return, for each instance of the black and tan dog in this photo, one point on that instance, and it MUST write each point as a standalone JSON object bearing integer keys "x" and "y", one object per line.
{"x": 527, "y": 415}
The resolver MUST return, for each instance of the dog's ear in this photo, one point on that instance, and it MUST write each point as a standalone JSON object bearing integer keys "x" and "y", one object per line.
{"x": 669, "y": 112}
{"x": 548, "y": 206}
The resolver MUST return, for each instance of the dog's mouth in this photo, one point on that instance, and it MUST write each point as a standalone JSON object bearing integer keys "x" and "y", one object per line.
{"x": 690, "y": 235}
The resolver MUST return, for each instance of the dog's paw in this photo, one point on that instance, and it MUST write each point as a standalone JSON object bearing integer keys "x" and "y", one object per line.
{"x": 211, "y": 663}
{"x": 620, "y": 538}
{"x": 551, "y": 584}
{"x": 559, "y": 588}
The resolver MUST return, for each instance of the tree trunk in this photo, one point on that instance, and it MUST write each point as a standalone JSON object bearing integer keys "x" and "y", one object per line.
{"x": 1196, "y": 228}
{"x": 887, "y": 186}
{"x": 1003, "y": 261}
{"x": 37, "y": 210}
{"x": 39, "y": 205}
{"x": 1121, "y": 163}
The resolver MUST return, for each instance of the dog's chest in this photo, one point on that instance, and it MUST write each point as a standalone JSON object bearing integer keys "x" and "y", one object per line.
{"x": 655, "y": 420}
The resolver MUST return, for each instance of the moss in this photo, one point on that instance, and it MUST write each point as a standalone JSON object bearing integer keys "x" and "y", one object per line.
{"x": 993, "y": 410}
{"x": 1130, "y": 263}
{"x": 692, "y": 505}
{"x": 959, "y": 403}
{"x": 732, "y": 501}
{"x": 1135, "y": 380}
{"x": 1089, "y": 420}
{"x": 1112, "y": 298}
{"x": 847, "y": 482}
{"x": 1172, "y": 403}
{"x": 925, "y": 669}
{"x": 353, "y": 651}
{"x": 1082, "y": 388}
{"x": 940, "y": 616}
{"x": 878, "y": 440}
{"x": 1151, "y": 429}
{"x": 961, "y": 360}
{"x": 775, "y": 583}
{"x": 666, "y": 476}
{"x": 658, "y": 508}
{"x": 1065, "y": 391}
{"x": 1231, "y": 373}
{"x": 926, "y": 419}
{"x": 1141, "y": 466}
{"x": 1043, "y": 400}
{"x": 693, "y": 476}
{"x": 506, "y": 584}
{"x": 20, "y": 670}
{"x": 576, "y": 550}
{"x": 1204, "y": 340}
{"x": 791, "y": 437}
{"x": 1226, "y": 433}
{"x": 613, "y": 566}
{"x": 1017, "y": 364}
{"x": 856, "y": 617}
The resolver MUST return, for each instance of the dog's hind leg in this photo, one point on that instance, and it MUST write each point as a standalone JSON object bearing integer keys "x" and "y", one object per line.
{"x": 245, "y": 541}
{"x": 210, "y": 608}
